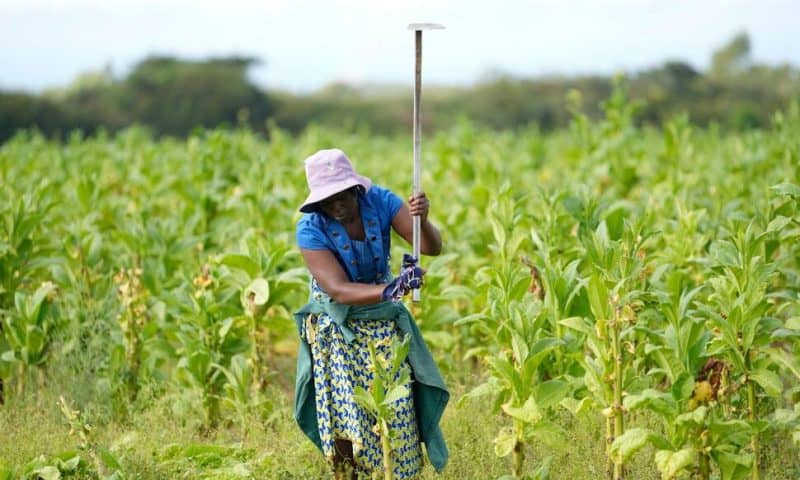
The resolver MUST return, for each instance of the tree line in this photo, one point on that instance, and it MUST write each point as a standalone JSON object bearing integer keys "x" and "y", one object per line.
{"x": 173, "y": 96}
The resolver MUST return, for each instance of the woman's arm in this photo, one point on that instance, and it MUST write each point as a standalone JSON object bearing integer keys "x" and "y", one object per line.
{"x": 403, "y": 224}
{"x": 332, "y": 278}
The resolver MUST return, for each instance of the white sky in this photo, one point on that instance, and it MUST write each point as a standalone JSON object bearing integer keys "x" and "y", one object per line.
{"x": 307, "y": 44}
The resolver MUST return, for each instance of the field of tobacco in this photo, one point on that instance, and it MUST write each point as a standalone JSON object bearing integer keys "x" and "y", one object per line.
{"x": 612, "y": 301}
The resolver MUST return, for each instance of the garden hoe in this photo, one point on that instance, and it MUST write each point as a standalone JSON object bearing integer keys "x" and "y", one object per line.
{"x": 418, "y": 28}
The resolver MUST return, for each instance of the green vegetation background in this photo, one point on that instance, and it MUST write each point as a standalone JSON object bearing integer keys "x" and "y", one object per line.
{"x": 173, "y": 96}
{"x": 192, "y": 213}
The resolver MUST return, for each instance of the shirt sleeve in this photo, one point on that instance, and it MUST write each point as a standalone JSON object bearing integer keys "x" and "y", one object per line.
{"x": 309, "y": 237}
{"x": 390, "y": 203}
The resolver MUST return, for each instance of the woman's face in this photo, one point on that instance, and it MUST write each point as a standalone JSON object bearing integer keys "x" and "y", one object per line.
{"x": 342, "y": 206}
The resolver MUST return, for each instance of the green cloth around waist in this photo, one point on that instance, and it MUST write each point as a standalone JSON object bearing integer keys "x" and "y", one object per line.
{"x": 430, "y": 393}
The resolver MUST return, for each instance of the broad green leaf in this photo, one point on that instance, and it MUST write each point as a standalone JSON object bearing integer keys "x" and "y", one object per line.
{"x": 529, "y": 412}
{"x": 784, "y": 359}
{"x": 695, "y": 417}
{"x": 395, "y": 394}
{"x": 598, "y": 298}
{"x": 550, "y": 393}
{"x": 365, "y": 400}
{"x": 20, "y": 304}
{"x": 793, "y": 323}
{"x": 40, "y": 296}
{"x": 577, "y": 407}
{"x": 786, "y": 188}
{"x": 504, "y": 442}
{"x": 592, "y": 377}
{"x": 241, "y": 262}
{"x": 227, "y": 324}
{"x": 95, "y": 249}
{"x": 505, "y": 371}
{"x": 69, "y": 463}
{"x": 519, "y": 347}
{"x": 652, "y": 399}
{"x": 47, "y": 473}
{"x": 671, "y": 463}
{"x": 472, "y": 318}
{"x": 732, "y": 432}
{"x": 785, "y": 333}
{"x": 488, "y": 388}
{"x": 499, "y": 232}
{"x": 734, "y": 466}
{"x": 255, "y": 297}
{"x": 540, "y": 349}
{"x": 630, "y": 442}
{"x": 683, "y": 387}
{"x": 769, "y": 381}
{"x": 548, "y": 433}
{"x": 725, "y": 253}
{"x": 778, "y": 223}
{"x": 578, "y": 323}
{"x": 614, "y": 218}
{"x": 34, "y": 346}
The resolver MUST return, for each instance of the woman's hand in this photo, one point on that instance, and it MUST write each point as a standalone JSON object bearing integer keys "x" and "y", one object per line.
{"x": 419, "y": 205}
{"x": 430, "y": 239}
{"x": 409, "y": 279}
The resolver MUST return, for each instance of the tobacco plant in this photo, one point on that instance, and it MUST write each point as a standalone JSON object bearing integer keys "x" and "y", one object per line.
{"x": 522, "y": 381}
{"x": 616, "y": 270}
{"x": 391, "y": 375}
{"x": 29, "y": 329}
{"x": 210, "y": 332}
{"x": 740, "y": 314}
{"x": 25, "y": 253}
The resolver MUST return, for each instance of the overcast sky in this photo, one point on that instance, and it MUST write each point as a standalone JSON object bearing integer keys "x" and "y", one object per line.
{"x": 307, "y": 44}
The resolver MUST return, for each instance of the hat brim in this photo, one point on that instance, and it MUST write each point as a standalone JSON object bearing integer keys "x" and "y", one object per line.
{"x": 332, "y": 189}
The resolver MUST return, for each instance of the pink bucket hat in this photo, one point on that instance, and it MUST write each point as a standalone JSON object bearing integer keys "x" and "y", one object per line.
{"x": 329, "y": 172}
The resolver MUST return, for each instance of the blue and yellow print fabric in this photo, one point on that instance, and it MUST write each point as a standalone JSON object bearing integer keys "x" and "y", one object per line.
{"x": 338, "y": 368}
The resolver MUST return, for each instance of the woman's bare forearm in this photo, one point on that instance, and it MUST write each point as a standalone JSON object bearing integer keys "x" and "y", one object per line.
{"x": 430, "y": 239}
{"x": 353, "y": 293}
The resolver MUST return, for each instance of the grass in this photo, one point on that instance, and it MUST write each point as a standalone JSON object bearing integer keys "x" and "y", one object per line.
{"x": 157, "y": 441}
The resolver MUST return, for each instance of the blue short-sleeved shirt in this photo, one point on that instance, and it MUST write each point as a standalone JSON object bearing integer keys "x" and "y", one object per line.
{"x": 364, "y": 261}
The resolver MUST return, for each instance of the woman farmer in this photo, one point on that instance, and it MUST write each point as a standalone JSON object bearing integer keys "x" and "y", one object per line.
{"x": 344, "y": 238}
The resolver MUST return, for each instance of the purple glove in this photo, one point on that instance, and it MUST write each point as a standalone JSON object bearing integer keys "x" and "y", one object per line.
{"x": 409, "y": 279}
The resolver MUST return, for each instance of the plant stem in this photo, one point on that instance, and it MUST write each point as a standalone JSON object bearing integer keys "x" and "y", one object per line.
{"x": 751, "y": 405}
{"x": 40, "y": 379}
{"x": 519, "y": 458}
{"x": 617, "y": 406}
{"x": 211, "y": 401}
{"x": 269, "y": 361}
{"x": 609, "y": 441}
{"x": 388, "y": 470}
{"x": 20, "y": 380}
{"x": 133, "y": 359}
{"x": 705, "y": 467}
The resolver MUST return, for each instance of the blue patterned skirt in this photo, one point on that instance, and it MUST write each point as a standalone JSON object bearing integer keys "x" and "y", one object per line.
{"x": 338, "y": 368}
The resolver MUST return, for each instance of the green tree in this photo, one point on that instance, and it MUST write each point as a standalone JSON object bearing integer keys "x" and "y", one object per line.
{"x": 174, "y": 96}
{"x": 733, "y": 57}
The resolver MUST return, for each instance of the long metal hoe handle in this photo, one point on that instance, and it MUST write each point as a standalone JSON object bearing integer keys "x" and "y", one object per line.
{"x": 417, "y": 225}
{"x": 415, "y": 294}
